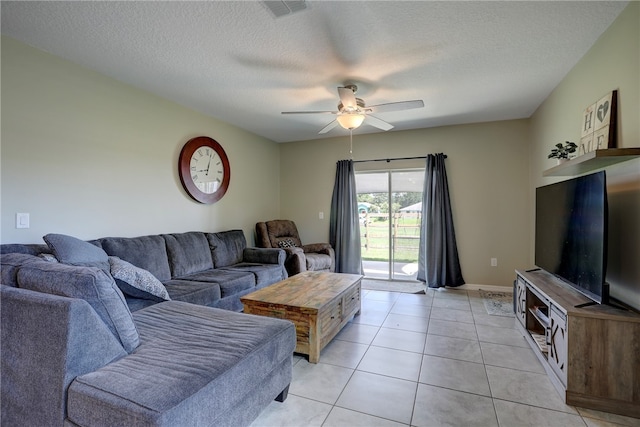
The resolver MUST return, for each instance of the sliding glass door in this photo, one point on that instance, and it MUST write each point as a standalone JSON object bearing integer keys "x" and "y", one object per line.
{"x": 390, "y": 204}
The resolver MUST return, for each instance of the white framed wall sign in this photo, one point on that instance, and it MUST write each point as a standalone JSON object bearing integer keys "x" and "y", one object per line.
{"x": 599, "y": 124}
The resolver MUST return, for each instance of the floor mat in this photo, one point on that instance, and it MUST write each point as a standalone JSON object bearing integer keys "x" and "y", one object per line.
{"x": 498, "y": 303}
{"x": 393, "y": 286}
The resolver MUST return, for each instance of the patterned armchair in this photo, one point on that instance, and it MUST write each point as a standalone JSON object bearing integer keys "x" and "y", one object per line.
{"x": 283, "y": 234}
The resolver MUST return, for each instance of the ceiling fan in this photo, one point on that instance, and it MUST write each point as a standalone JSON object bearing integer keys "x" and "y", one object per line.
{"x": 352, "y": 111}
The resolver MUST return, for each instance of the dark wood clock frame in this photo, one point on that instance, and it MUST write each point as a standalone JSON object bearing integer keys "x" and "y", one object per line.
{"x": 184, "y": 170}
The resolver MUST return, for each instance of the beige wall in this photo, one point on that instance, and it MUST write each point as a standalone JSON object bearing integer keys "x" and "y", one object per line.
{"x": 612, "y": 63}
{"x": 487, "y": 168}
{"x": 88, "y": 156}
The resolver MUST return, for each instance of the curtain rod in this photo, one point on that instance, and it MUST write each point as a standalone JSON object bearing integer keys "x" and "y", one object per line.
{"x": 396, "y": 158}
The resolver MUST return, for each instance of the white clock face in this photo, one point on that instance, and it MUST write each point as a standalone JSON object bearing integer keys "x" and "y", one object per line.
{"x": 206, "y": 169}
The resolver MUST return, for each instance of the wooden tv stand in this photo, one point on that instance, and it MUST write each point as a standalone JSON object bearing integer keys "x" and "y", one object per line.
{"x": 591, "y": 353}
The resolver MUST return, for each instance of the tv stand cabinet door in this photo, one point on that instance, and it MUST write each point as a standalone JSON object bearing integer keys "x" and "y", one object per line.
{"x": 558, "y": 343}
{"x": 521, "y": 300}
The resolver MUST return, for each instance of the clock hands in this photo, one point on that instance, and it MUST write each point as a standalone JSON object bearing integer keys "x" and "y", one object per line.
{"x": 205, "y": 177}
{"x": 208, "y": 164}
{"x": 208, "y": 168}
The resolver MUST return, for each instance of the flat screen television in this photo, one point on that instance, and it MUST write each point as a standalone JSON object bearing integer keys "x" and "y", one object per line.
{"x": 571, "y": 233}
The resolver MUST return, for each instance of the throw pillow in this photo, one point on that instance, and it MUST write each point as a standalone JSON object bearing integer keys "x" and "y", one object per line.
{"x": 73, "y": 251}
{"x": 137, "y": 282}
{"x": 91, "y": 284}
{"x": 286, "y": 243}
{"x": 48, "y": 257}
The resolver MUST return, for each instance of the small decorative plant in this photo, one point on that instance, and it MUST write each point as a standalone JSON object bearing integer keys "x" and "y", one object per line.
{"x": 562, "y": 151}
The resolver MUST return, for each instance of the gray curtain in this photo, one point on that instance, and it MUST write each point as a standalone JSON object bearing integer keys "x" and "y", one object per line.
{"x": 344, "y": 224}
{"x": 438, "y": 263}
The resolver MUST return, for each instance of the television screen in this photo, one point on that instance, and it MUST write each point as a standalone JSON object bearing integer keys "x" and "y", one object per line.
{"x": 571, "y": 233}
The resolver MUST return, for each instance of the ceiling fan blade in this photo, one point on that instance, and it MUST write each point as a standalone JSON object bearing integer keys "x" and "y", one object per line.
{"x": 396, "y": 106}
{"x": 376, "y": 122}
{"x": 328, "y": 127}
{"x": 348, "y": 98}
{"x": 309, "y": 112}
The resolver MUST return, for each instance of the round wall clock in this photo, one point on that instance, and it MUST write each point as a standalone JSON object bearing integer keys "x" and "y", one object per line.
{"x": 204, "y": 169}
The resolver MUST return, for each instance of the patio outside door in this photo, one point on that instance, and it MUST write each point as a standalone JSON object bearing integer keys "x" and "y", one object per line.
{"x": 390, "y": 204}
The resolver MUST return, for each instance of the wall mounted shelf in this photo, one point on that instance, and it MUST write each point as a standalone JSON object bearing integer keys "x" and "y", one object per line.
{"x": 594, "y": 160}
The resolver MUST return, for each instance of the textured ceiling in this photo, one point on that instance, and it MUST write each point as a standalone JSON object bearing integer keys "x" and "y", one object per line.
{"x": 469, "y": 61}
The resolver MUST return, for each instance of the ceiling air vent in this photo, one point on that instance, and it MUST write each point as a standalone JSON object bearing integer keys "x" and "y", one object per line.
{"x": 285, "y": 7}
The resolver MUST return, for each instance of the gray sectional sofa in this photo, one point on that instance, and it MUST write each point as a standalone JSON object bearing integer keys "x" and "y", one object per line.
{"x": 77, "y": 351}
{"x": 212, "y": 269}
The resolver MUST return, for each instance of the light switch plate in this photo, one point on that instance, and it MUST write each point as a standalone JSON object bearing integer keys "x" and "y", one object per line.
{"x": 22, "y": 220}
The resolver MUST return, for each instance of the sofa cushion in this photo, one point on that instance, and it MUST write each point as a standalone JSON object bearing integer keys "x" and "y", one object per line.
{"x": 227, "y": 247}
{"x": 188, "y": 253}
{"x": 280, "y": 229}
{"x": 136, "y": 304}
{"x": 146, "y": 252}
{"x": 26, "y": 248}
{"x": 265, "y": 274}
{"x": 205, "y": 362}
{"x": 90, "y": 284}
{"x": 201, "y": 293}
{"x": 137, "y": 282}
{"x": 73, "y": 251}
{"x": 230, "y": 282}
{"x": 10, "y": 264}
{"x": 317, "y": 262}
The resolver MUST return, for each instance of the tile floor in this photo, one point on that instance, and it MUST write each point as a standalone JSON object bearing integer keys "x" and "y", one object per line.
{"x": 427, "y": 360}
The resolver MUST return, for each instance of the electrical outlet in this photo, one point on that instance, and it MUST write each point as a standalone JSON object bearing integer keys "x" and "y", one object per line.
{"x": 494, "y": 262}
{"x": 321, "y": 215}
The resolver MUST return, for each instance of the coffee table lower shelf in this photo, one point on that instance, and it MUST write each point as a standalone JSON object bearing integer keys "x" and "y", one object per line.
{"x": 319, "y": 305}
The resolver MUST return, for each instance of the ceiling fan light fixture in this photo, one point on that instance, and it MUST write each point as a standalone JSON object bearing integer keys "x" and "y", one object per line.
{"x": 350, "y": 120}
{"x": 352, "y": 111}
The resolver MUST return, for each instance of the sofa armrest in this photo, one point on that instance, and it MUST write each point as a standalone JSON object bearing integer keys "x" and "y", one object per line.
{"x": 320, "y": 248}
{"x": 295, "y": 261}
{"x": 47, "y": 341}
{"x": 264, "y": 255}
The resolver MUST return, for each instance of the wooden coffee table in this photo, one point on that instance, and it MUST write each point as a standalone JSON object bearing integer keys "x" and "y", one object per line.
{"x": 318, "y": 303}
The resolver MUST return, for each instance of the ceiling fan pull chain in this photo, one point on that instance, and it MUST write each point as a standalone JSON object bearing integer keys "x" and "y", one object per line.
{"x": 351, "y": 143}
